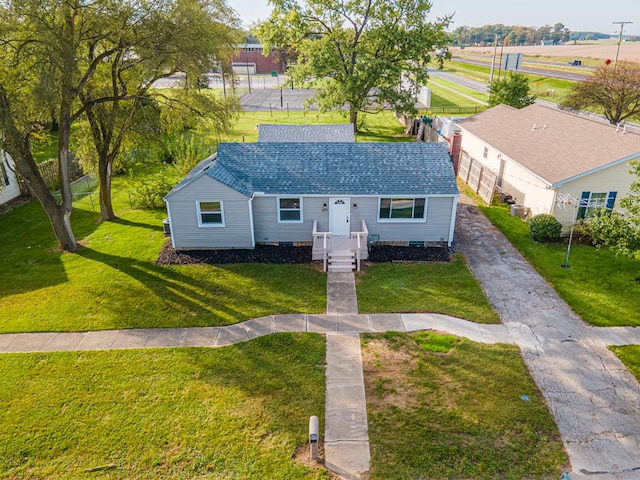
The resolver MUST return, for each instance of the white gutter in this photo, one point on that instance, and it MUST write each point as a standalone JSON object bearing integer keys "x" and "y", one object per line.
{"x": 253, "y": 234}
{"x": 453, "y": 219}
{"x": 173, "y": 242}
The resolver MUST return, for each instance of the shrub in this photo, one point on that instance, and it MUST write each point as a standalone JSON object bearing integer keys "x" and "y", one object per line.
{"x": 613, "y": 230}
{"x": 545, "y": 228}
{"x": 149, "y": 193}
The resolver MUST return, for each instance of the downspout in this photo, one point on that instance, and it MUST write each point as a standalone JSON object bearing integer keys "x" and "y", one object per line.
{"x": 173, "y": 242}
{"x": 454, "y": 208}
{"x": 253, "y": 234}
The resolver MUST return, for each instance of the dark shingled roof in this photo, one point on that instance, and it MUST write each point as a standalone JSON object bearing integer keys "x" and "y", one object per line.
{"x": 306, "y": 133}
{"x": 334, "y": 168}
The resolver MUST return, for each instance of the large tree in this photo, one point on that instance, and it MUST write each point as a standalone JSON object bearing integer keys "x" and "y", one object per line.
{"x": 358, "y": 53}
{"x": 615, "y": 91}
{"x": 513, "y": 91}
{"x": 39, "y": 81}
{"x": 53, "y": 58}
{"x": 192, "y": 37}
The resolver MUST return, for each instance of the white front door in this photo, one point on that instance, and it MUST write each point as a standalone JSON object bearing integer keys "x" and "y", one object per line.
{"x": 339, "y": 217}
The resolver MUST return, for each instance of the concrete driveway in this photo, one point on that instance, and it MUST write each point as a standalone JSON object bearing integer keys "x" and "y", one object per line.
{"x": 594, "y": 399}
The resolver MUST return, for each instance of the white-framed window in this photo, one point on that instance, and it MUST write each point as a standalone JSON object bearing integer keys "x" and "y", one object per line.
{"x": 402, "y": 209}
{"x": 485, "y": 152}
{"x": 590, "y": 202}
{"x": 210, "y": 214}
{"x": 289, "y": 209}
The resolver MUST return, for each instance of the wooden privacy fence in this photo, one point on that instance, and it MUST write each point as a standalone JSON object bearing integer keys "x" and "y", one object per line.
{"x": 481, "y": 179}
{"x": 49, "y": 171}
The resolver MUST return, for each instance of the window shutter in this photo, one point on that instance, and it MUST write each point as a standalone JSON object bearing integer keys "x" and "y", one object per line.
{"x": 584, "y": 203}
{"x": 611, "y": 200}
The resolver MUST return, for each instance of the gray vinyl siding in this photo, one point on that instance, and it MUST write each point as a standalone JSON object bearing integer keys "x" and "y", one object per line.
{"x": 268, "y": 230}
{"x": 435, "y": 229}
{"x": 187, "y": 234}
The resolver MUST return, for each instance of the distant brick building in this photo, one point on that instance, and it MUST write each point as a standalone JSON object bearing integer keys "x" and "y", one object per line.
{"x": 249, "y": 59}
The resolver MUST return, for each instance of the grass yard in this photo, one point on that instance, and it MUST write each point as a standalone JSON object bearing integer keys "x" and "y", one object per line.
{"x": 376, "y": 127}
{"x": 630, "y": 356}
{"x": 447, "y": 288}
{"x": 545, "y": 88}
{"x": 443, "y": 407}
{"x": 481, "y": 97}
{"x": 113, "y": 281}
{"x": 599, "y": 286}
{"x": 230, "y": 413}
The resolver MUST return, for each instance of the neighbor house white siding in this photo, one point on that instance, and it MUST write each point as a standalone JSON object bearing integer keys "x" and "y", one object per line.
{"x": 616, "y": 178}
{"x": 183, "y": 216}
{"x": 9, "y": 187}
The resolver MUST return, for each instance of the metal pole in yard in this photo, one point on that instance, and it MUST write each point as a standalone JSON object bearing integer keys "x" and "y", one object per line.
{"x": 622, "y": 24}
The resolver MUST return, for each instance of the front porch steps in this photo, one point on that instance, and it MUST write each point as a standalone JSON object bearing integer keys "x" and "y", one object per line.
{"x": 342, "y": 261}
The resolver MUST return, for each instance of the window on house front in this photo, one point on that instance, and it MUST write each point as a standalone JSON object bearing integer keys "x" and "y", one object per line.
{"x": 402, "y": 209}
{"x": 290, "y": 209}
{"x": 590, "y": 202}
{"x": 210, "y": 214}
{"x": 4, "y": 176}
{"x": 485, "y": 152}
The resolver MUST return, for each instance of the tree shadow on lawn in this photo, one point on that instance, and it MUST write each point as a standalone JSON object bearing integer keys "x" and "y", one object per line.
{"x": 166, "y": 297}
{"x": 31, "y": 258}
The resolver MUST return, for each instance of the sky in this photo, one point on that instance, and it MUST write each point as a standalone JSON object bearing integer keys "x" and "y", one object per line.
{"x": 590, "y": 15}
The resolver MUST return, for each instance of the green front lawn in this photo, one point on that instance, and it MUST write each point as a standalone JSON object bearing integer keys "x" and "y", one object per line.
{"x": 599, "y": 286}
{"x": 114, "y": 282}
{"x": 443, "y": 407}
{"x": 234, "y": 412}
{"x": 447, "y": 288}
{"x": 630, "y": 356}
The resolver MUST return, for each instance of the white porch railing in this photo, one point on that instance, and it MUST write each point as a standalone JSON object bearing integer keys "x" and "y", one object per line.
{"x": 360, "y": 242}
{"x": 322, "y": 244}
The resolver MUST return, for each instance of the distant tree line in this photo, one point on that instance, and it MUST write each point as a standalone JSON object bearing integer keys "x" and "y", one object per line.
{"x": 519, "y": 35}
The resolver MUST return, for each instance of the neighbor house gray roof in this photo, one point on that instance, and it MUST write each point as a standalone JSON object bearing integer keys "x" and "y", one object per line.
{"x": 342, "y": 132}
{"x": 556, "y": 146}
{"x": 332, "y": 168}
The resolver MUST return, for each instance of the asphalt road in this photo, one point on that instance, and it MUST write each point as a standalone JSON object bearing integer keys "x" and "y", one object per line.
{"x": 576, "y": 77}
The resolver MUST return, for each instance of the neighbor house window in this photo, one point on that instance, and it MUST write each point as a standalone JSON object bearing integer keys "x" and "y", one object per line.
{"x": 485, "y": 152}
{"x": 590, "y": 202}
{"x": 402, "y": 209}
{"x": 3, "y": 174}
{"x": 290, "y": 209}
{"x": 210, "y": 214}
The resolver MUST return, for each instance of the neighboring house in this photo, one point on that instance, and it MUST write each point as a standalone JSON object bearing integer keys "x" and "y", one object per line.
{"x": 9, "y": 186}
{"x": 341, "y": 132}
{"x": 540, "y": 154}
{"x": 334, "y": 196}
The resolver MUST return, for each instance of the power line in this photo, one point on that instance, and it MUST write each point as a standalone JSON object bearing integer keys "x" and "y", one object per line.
{"x": 622, "y": 24}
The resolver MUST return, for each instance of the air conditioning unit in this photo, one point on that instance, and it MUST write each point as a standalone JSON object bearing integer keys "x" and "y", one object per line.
{"x": 166, "y": 227}
{"x": 518, "y": 211}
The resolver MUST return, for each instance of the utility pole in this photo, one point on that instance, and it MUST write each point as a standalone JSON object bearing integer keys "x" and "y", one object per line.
{"x": 493, "y": 59}
{"x": 622, "y": 24}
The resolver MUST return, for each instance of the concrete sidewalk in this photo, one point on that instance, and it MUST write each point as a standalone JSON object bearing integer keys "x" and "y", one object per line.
{"x": 593, "y": 397}
{"x": 241, "y": 332}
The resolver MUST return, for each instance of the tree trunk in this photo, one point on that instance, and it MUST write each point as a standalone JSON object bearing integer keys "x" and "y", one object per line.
{"x": 353, "y": 118}
{"x": 104, "y": 174}
{"x": 17, "y": 145}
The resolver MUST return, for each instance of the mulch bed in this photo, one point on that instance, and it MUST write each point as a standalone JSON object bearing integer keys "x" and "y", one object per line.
{"x": 283, "y": 254}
